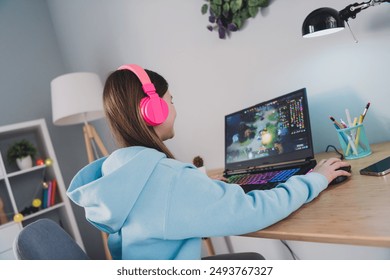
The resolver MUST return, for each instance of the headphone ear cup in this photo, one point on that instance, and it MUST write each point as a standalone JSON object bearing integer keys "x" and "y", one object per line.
{"x": 154, "y": 110}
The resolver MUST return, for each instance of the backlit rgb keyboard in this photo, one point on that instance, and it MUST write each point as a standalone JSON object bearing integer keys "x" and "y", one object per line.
{"x": 263, "y": 178}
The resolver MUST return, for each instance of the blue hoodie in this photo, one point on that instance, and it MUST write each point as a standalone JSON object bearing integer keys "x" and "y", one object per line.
{"x": 153, "y": 207}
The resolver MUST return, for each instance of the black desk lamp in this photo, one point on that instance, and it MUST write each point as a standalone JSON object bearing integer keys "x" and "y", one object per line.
{"x": 325, "y": 21}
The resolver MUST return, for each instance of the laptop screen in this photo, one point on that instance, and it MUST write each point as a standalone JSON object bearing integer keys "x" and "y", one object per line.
{"x": 270, "y": 132}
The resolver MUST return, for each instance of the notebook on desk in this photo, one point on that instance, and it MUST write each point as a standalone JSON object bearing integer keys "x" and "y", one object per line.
{"x": 269, "y": 142}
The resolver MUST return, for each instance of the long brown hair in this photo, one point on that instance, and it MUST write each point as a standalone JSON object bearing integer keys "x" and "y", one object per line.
{"x": 121, "y": 98}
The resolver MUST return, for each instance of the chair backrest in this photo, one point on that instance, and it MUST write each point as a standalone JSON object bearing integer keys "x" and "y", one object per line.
{"x": 44, "y": 239}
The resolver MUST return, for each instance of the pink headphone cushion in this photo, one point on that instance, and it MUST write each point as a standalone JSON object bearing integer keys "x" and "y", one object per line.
{"x": 154, "y": 110}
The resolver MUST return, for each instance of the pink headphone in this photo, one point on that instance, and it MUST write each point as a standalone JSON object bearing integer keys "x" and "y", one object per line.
{"x": 154, "y": 109}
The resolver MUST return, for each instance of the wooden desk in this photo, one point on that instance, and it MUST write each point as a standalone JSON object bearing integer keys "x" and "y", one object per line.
{"x": 354, "y": 212}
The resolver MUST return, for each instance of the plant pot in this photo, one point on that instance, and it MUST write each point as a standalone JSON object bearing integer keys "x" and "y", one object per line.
{"x": 24, "y": 163}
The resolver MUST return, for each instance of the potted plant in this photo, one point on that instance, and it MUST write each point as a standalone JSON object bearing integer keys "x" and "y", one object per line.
{"x": 22, "y": 153}
{"x": 227, "y": 16}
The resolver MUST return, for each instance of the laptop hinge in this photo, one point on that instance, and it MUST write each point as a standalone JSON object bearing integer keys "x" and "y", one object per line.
{"x": 264, "y": 167}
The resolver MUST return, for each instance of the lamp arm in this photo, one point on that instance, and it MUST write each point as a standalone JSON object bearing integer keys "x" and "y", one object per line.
{"x": 351, "y": 10}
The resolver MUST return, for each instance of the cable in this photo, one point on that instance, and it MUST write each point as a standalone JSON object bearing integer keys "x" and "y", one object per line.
{"x": 294, "y": 256}
{"x": 353, "y": 35}
{"x": 335, "y": 149}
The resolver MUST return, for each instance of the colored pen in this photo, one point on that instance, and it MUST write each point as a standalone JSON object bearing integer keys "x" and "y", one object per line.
{"x": 336, "y": 123}
{"x": 349, "y": 120}
{"x": 352, "y": 138}
{"x": 338, "y": 126}
{"x": 343, "y": 123}
{"x": 365, "y": 111}
{"x": 361, "y": 117}
{"x": 358, "y": 131}
{"x": 355, "y": 120}
{"x": 352, "y": 145}
{"x": 353, "y": 135}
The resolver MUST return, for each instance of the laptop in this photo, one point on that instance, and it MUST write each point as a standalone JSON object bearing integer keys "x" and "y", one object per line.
{"x": 269, "y": 142}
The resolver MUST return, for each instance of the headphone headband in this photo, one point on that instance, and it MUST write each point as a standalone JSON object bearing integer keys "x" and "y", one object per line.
{"x": 147, "y": 85}
{"x": 153, "y": 109}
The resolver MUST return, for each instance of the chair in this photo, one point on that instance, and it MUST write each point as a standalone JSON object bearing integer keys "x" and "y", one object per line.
{"x": 46, "y": 240}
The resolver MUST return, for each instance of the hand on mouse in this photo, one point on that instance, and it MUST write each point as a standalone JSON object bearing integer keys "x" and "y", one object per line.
{"x": 328, "y": 168}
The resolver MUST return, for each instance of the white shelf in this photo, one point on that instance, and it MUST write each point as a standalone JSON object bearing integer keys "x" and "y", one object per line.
{"x": 20, "y": 172}
{"x": 15, "y": 186}
{"x": 43, "y": 211}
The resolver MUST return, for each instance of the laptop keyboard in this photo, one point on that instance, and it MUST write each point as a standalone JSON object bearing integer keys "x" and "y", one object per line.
{"x": 266, "y": 180}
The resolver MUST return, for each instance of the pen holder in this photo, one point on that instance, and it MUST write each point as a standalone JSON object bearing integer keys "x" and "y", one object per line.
{"x": 354, "y": 142}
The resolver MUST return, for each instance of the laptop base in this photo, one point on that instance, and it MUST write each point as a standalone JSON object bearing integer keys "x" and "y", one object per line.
{"x": 265, "y": 179}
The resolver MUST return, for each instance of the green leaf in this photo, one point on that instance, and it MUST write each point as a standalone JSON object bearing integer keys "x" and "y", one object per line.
{"x": 253, "y": 11}
{"x": 217, "y": 2}
{"x": 238, "y": 22}
{"x": 204, "y": 9}
{"x": 235, "y": 5}
{"x": 244, "y": 14}
{"x": 216, "y": 9}
{"x": 226, "y": 8}
{"x": 253, "y": 3}
{"x": 263, "y": 3}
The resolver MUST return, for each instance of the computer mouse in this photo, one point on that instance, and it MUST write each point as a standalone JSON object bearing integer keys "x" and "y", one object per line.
{"x": 340, "y": 179}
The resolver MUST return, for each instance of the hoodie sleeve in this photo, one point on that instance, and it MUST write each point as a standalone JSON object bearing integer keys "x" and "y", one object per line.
{"x": 201, "y": 207}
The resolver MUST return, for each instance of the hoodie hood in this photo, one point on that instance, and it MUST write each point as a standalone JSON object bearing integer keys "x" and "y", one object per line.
{"x": 108, "y": 188}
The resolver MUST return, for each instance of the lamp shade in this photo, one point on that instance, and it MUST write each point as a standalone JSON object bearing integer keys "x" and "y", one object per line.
{"x": 322, "y": 21}
{"x": 76, "y": 98}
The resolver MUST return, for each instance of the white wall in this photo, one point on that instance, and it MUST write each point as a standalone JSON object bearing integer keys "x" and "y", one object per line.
{"x": 210, "y": 77}
{"x": 29, "y": 59}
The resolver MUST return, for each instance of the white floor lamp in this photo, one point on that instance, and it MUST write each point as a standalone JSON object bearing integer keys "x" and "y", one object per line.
{"x": 76, "y": 99}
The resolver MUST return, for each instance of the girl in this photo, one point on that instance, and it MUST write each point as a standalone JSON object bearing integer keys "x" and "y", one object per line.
{"x": 155, "y": 207}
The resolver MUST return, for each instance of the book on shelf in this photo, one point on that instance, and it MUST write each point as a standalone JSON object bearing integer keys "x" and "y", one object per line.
{"x": 49, "y": 193}
{"x": 53, "y": 192}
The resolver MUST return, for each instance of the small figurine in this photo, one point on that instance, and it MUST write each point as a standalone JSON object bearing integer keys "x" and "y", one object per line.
{"x": 198, "y": 162}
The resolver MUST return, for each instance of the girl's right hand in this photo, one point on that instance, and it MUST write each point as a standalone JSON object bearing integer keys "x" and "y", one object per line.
{"x": 328, "y": 168}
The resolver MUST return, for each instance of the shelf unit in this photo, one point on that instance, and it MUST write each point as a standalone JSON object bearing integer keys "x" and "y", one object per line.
{"x": 18, "y": 188}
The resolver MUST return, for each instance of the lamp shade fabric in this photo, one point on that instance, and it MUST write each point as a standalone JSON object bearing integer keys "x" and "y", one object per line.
{"x": 322, "y": 21}
{"x": 76, "y": 98}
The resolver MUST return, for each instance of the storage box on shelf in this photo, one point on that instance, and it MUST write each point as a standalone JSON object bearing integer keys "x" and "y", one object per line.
{"x": 33, "y": 193}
